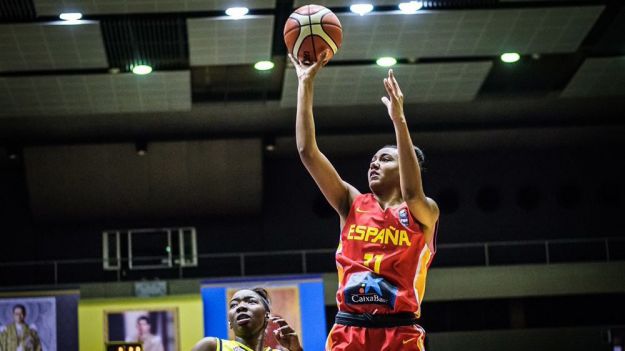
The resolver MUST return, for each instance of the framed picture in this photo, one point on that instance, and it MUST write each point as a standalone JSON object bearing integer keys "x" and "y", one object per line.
{"x": 157, "y": 329}
{"x": 35, "y": 317}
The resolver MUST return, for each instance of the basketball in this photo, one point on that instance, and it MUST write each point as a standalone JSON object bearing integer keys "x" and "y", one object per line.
{"x": 310, "y": 30}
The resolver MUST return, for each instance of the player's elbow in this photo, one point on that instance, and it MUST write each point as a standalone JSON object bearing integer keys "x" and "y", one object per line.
{"x": 306, "y": 152}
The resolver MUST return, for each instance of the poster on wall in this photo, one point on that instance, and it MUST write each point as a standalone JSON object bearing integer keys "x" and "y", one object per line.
{"x": 156, "y": 329}
{"x": 35, "y": 321}
{"x": 297, "y": 299}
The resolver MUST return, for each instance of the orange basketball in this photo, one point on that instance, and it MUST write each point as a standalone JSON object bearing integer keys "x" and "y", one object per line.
{"x": 310, "y": 30}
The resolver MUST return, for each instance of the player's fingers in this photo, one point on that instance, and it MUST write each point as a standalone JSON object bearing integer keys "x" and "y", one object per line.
{"x": 286, "y": 329}
{"x": 385, "y": 101}
{"x": 389, "y": 89}
{"x": 394, "y": 82}
{"x": 293, "y": 61}
{"x": 281, "y": 322}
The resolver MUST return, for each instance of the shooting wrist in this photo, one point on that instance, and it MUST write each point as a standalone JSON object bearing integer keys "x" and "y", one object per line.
{"x": 399, "y": 120}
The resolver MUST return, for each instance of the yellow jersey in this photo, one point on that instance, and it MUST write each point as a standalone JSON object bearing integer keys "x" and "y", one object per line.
{"x": 232, "y": 345}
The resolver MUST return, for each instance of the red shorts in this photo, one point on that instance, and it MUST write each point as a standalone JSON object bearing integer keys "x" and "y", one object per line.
{"x": 344, "y": 338}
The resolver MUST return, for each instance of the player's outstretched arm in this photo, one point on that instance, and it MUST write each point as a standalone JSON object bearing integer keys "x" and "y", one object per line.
{"x": 339, "y": 193}
{"x": 422, "y": 208}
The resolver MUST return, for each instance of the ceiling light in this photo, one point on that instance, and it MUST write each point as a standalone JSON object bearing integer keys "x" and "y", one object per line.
{"x": 410, "y": 7}
{"x": 510, "y": 57}
{"x": 386, "y": 61}
{"x": 361, "y": 9}
{"x": 263, "y": 65}
{"x": 70, "y": 16}
{"x": 141, "y": 69}
{"x": 237, "y": 12}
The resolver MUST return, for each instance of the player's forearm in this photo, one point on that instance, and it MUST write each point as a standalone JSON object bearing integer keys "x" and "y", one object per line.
{"x": 305, "y": 124}
{"x": 409, "y": 170}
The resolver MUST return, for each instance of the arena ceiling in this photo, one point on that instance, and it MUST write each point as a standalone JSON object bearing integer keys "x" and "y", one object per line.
{"x": 65, "y": 83}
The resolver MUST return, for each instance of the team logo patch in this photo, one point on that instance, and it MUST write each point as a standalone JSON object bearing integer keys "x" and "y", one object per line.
{"x": 403, "y": 217}
{"x": 365, "y": 288}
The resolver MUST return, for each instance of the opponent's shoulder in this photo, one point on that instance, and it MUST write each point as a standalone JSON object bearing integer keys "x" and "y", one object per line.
{"x": 207, "y": 344}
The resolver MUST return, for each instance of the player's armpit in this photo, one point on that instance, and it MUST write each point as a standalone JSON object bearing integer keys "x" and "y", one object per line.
{"x": 425, "y": 211}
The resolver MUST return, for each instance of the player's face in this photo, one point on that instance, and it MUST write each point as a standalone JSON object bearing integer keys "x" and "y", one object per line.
{"x": 247, "y": 314}
{"x": 383, "y": 167}
{"x": 18, "y": 315}
{"x": 143, "y": 327}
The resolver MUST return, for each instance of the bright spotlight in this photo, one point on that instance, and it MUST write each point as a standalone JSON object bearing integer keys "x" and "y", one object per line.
{"x": 410, "y": 7}
{"x": 386, "y": 61}
{"x": 263, "y": 65}
{"x": 141, "y": 69}
{"x": 361, "y": 9}
{"x": 510, "y": 57}
{"x": 237, "y": 12}
{"x": 70, "y": 16}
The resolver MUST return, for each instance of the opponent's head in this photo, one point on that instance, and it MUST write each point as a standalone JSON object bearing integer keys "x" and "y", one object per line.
{"x": 19, "y": 313}
{"x": 384, "y": 168}
{"x": 249, "y": 310}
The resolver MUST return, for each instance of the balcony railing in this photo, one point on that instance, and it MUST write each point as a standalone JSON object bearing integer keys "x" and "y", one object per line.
{"x": 60, "y": 272}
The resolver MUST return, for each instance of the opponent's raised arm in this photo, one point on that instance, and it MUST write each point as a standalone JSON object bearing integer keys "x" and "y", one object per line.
{"x": 286, "y": 335}
{"x": 423, "y": 208}
{"x": 338, "y": 193}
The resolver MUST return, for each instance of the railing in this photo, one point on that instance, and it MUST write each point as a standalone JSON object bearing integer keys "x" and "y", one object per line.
{"x": 58, "y": 272}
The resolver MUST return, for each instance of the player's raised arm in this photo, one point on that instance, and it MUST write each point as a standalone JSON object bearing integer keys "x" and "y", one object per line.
{"x": 338, "y": 193}
{"x": 422, "y": 208}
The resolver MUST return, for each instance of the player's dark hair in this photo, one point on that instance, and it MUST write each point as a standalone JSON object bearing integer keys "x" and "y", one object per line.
{"x": 20, "y": 306}
{"x": 419, "y": 152}
{"x": 264, "y": 298}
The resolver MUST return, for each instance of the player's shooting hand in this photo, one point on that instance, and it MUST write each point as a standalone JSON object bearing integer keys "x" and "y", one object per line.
{"x": 286, "y": 336}
{"x": 394, "y": 102}
{"x": 307, "y": 73}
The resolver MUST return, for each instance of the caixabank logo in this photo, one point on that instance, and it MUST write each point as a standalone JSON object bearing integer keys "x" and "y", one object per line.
{"x": 368, "y": 288}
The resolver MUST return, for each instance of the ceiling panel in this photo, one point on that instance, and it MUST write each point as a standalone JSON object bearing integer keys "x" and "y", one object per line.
{"x": 19, "y": 10}
{"x": 55, "y": 7}
{"x": 158, "y": 42}
{"x": 224, "y": 41}
{"x": 362, "y": 84}
{"x": 50, "y": 46}
{"x": 98, "y": 93}
{"x": 465, "y": 32}
{"x": 598, "y": 77}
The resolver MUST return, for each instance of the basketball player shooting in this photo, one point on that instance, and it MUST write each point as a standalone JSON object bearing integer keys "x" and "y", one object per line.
{"x": 387, "y": 237}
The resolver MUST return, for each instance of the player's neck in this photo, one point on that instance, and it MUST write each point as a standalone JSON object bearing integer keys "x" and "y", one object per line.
{"x": 388, "y": 199}
{"x": 254, "y": 343}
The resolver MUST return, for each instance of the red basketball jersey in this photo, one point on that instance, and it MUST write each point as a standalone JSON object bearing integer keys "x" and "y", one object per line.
{"x": 382, "y": 259}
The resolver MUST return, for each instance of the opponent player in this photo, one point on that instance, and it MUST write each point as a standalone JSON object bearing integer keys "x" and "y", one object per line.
{"x": 248, "y": 317}
{"x": 387, "y": 236}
